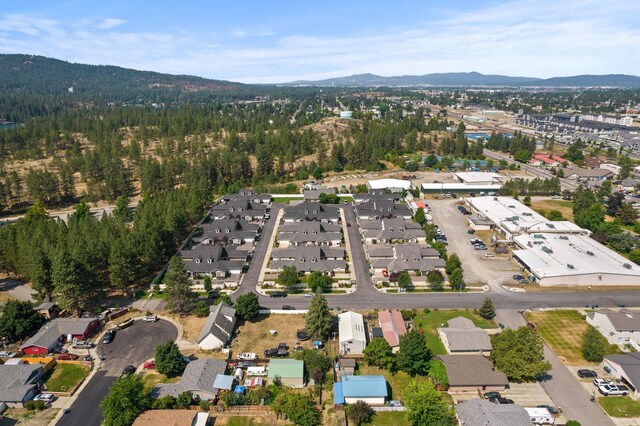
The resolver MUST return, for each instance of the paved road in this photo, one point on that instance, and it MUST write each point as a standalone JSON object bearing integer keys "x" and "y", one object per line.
{"x": 131, "y": 346}
{"x": 358, "y": 256}
{"x": 16, "y": 289}
{"x": 562, "y": 386}
{"x": 259, "y": 253}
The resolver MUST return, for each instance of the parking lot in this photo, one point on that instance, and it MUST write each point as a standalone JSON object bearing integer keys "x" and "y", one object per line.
{"x": 477, "y": 268}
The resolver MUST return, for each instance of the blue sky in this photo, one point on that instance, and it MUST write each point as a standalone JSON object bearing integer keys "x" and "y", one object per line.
{"x": 277, "y": 41}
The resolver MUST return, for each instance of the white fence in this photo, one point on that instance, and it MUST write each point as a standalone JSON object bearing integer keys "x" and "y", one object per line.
{"x": 283, "y": 311}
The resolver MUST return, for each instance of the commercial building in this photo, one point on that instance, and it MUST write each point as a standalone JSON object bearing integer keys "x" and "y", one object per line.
{"x": 393, "y": 185}
{"x": 478, "y": 178}
{"x": 458, "y": 187}
{"x": 352, "y": 334}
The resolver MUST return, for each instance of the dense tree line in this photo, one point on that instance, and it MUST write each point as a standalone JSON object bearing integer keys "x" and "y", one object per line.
{"x": 534, "y": 186}
{"x": 512, "y": 145}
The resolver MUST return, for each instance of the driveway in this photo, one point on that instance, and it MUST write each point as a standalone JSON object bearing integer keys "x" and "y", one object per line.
{"x": 493, "y": 271}
{"x": 563, "y": 386}
{"x": 16, "y": 289}
{"x": 131, "y": 346}
{"x": 358, "y": 258}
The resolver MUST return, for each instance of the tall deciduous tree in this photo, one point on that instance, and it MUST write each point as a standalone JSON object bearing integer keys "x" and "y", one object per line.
{"x": 247, "y": 306}
{"x": 414, "y": 355}
{"x": 360, "y": 412}
{"x": 169, "y": 360}
{"x": 318, "y": 281}
{"x": 178, "y": 288}
{"x": 318, "y": 319}
{"x": 124, "y": 402}
{"x": 594, "y": 345}
{"x": 379, "y": 353}
{"x": 519, "y": 354}
{"x": 425, "y": 406}
{"x": 453, "y": 262}
{"x": 288, "y": 276}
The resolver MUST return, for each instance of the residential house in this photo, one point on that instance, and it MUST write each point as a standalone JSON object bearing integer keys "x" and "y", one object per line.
{"x": 393, "y": 327}
{"x": 409, "y": 257}
{"x": 49, "y": 310}
{"x": 214, "y": 260}
{"x": 290, "y": 372}
{"x": 470, "y": 373}
{"x": 19, "y": 383}
{"x": 309, "y": 258}
{"x": 480, "y": 412}
{"x": 629, "y": 185}
{"x": 314, "y": 194}
{"x": 351, "y": 389}
{"x": 381, "y": 206}
{"x": 58, "y": 331}
{"x": 309, "y": 234}
{"x": 226, "y": 231}
{"x": 172, "y": 418}
{"x": 198, "y": 378}
{"x": 584, "y": 175}
{"x": 625, "y": 367}
{"x": 619, "y": 327}
{"x": 548, "y": 160}
{"x": 307, "y": 211}
{"x": 346, "y": 366}
{"x": 463, "y": 337}
{"x": 394, "y": 230}
{"x": 352, "y": 333}
{"x": 218, "y": 329}
{"x": 246, "y": 205}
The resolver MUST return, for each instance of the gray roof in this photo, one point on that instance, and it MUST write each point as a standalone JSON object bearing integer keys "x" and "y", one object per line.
{"x": 223, "y": 381}
{"x": 587, "y": 173}
{"x": 396, "y": 251}
{"x": 311, "y": 211}
{"x": 221, "y": 321}
{"x": 622, "y": 320}
{"x": 45, "y": 306}
{"x": 309, "y": 227}
{"x": 464, "y": 336}
{"x": 50, "y": 332}
{"x": 630, "y": 363}
{"x": 214, "y": 252}
{"x": 472, "y": 370}
{"x": 314, "y": 194}
{"x": 480, "y": 412}
{"x": 17, "y": 380}
{"x": 199, "y": 375}
{"x": 461, "y": 323}
{"x": 309, "y": 258}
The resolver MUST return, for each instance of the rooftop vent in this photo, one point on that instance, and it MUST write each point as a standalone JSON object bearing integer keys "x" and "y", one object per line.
{"x": 627, "y": 265}
{"x": 564, "y": 237}
{"x": 547, "y": 250}
{"x": 570, "y": 266}
{"x": 527, "y": 214}
{"x": 551, "y": 225}
{"x": 590, "y": 253}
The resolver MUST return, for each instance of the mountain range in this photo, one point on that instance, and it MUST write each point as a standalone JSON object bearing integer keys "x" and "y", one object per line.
{"x": 475, "y": 79}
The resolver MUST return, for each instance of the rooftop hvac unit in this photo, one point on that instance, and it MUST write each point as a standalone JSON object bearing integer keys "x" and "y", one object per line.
{"x": 564, "y": 237}
{"x": 551, "y": 225}
{"x": 570, "y": 266}
{"x": 627, "y": 265}
{"x": 527, "y": 214}
{"x": 547, "y": 250}
{"x": 590, "y": 253}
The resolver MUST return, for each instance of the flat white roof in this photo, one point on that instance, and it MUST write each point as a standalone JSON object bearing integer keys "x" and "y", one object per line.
{"x": 474, "y": 177}
{"x": 460, "y": 186}
{"x": 351, "y": 326}
{"x": 552, "y": 255}
{"x": 390, "y": 183}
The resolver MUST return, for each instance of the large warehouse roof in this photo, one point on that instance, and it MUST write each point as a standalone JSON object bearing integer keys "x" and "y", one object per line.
{"x": 552, "y": 255}
{"x": 477, "y": 177}
{"x": 459, "y": 187}
{"x": 390, "y": 184}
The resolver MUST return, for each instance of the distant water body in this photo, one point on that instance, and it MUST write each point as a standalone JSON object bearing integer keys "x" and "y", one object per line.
{"x": 4, "y": 126}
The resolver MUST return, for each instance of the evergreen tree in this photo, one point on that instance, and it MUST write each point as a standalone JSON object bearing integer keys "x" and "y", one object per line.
{"x": 487, "y": 310}
{"x": 169, "y": 360}
{"x": 318, "y": 319}
{"x": 70, "y": 283}
{"x": 178, "y": 292}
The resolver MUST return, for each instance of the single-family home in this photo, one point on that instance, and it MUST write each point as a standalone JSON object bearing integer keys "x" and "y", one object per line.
{"x": 625, "y": 367}
{"x": 470, "y": 373}
{"x": 370, "y": 389}
{"x": 290, "y": 372}
{"x": 328, "y": 260}
{"x": 172, "y": 418}
{"x": 393, "y": 326}
{"x": 218, "y": 329}
{"x": 19, "y": 383}
{"x": 619, "y": 327}
{"x": 57, "y": 331}
{"x": 307, "y": 211}
{"x": 391, "y": 230}
{"x": 463, "y": 337}
{"x": 309, "y": 234}
{"x": 480, "y": 412}
{"x": 629, "y": 184}
{"x": 352, "y": 334}
{"x": 49, "y": 310}
{"x": 314, "y": 194}
{"x": 198, "y": 378}
{"x": 215, "y": 261}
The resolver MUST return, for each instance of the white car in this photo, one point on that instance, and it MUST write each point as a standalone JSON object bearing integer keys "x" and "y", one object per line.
{"x": 150, "y": 318}
{"x": 248, "y": 356}
{"x": 46, "y": 397}
{"x": 612, "y": 389}
{"x": 488, "y": 255}
{"x": 7, "y": 354}
{"x": 600, "y": 382}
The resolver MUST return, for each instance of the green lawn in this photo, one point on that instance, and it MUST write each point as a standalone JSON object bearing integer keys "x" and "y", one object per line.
{"x": 563, "y": 330}
{"x": 286, "y": 200}
{"x": 152, "y": 378}
{"x": 245, "y": 421}
{"x": 429, "y": 322}
{"x": 389, "y": 418}
{"x": 396, "y": 382}
{"x": 63, "y": 377}
{"x": 620, "y": 406}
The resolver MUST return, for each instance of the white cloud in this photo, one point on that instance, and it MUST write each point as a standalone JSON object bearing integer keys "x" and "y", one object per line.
{"x": 526, "y": 38}
{"x": 109, "y": 23}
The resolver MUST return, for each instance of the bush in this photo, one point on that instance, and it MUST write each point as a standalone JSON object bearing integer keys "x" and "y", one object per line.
{"x": 201, "y": 309}
{"x": 34, "y": 405}
{"x": 594, "y": 345}
{"x": 166, "y": 402}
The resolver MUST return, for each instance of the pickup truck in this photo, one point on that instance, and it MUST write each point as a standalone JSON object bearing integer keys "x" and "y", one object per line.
{"x": 248, "y": 356}
{"x": 612, "y": 389}
{"x": 81, "y": 344}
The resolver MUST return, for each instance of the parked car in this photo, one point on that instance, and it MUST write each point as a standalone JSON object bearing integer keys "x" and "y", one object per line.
{"x": 68, "y": 357}
{"x": 583, "y": 374}
{"x": 250, "y": 356}
{"x": 518, "y": 277}
{"x": 46, "y": 397}
{"x": 278, "y": 294}
{"x": 245, "y": 364}
{"x": 150, "y": 365}
{"x": 150, "y": 318}
{"x": 271, "y": 352}
{"x": 108, "y": 336}
{"x": 81, "y": 344}
{"x": 550, "y": 408}
{"x": 288, "y": 308}
{"x": 282, "y": 346}
{"x": 7, "y": 354}
{"x": 490, "y": 395}
{"x": 59, "y": 350}
{"x": 601, "y": 382}
{"x": 612, "y": 389}
{"x": 501, "y": 325}
{"x": 501, "y": 400}
{"x": 488, "y": 255}
{"x": 128, "y": 370}
{"x": 126, "y": 323}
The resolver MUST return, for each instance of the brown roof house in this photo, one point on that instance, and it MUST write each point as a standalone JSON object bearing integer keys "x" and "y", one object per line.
{"x": 470, "y": 373}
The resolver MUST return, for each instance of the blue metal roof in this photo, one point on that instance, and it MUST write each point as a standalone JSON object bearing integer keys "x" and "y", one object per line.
{"x": 338, "y": 397}
{"x": 223, "y": 382}
{"x": 364, "y": 386}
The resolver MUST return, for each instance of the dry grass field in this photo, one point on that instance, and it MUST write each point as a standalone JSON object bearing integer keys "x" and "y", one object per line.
{"x": 255, "y": 336}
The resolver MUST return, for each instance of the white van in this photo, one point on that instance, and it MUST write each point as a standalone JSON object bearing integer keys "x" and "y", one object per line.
{"x": 256, "y": 371}
{"x": 540, "y": 416}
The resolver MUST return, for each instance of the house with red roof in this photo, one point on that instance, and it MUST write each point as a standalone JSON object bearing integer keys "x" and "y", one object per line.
{"x": 550, "y": 160}
{"x": 393, "y": 326}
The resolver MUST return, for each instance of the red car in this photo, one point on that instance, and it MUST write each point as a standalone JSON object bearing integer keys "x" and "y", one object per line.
{"x": 150, "y": 365}
{"x": 68, "y": 357}
{"x": 385, "y": 273}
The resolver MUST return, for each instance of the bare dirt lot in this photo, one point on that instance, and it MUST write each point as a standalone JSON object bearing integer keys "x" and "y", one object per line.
{"x": 255, "y": 336}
